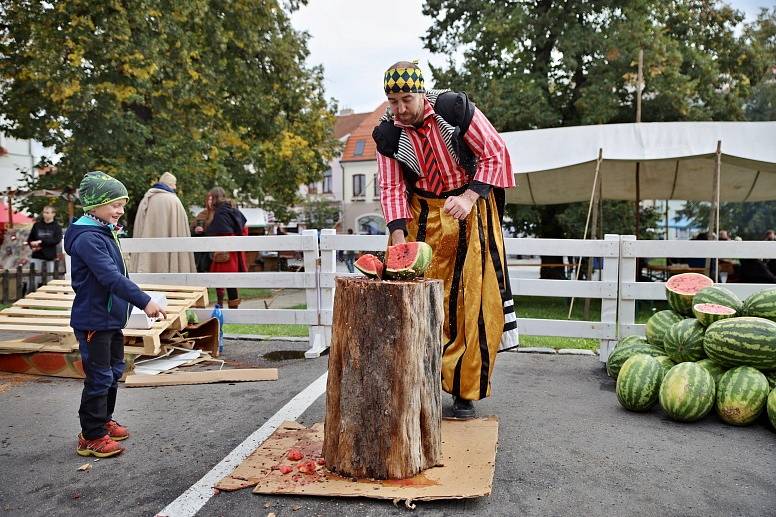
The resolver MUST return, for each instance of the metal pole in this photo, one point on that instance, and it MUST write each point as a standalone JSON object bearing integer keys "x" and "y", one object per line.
{"x": 639, "y": 83}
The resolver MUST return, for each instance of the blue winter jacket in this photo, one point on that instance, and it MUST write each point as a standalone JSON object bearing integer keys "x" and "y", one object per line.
{"x": 103, "y": 293}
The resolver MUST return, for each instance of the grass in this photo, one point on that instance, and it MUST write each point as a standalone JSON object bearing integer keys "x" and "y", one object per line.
{"x": 527, "y": 307}
{"x": 245, "y": 294}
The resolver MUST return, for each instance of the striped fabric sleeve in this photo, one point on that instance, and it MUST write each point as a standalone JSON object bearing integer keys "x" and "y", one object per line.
{"x": 393, "y": 197}
{"x": 494, "y": 165}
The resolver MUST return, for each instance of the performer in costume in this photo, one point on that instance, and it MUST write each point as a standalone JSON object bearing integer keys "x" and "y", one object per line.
{"x": 442, "y": 172}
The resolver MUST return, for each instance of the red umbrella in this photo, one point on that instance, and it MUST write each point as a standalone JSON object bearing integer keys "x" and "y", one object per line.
{"x": 18, "y": 217}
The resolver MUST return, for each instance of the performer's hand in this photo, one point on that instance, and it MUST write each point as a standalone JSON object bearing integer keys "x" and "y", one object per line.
{"x": 397, "y": 237}
{"x": 154, "y": 310}
{"x": 460, "y": 206}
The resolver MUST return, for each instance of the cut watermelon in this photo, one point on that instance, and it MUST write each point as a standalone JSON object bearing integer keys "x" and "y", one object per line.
{"x": 680, "y": 290}
{"x": 407, "y": 260}
{"x": 370, "y": 265}
{"x": 708, "y": 313}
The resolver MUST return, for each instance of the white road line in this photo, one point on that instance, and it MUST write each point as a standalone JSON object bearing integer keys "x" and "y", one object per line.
{"x": 193, "y": 499}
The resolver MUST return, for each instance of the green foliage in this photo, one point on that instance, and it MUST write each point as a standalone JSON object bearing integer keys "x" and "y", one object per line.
{"x": 749, "y": 221}
{"x": 320, "y": 213}
{"x": 537, "y": 64}
{"x": 216, "y": 92}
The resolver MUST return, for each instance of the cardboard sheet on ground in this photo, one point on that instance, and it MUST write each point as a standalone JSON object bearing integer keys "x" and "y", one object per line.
{"x": 468, "y": 452}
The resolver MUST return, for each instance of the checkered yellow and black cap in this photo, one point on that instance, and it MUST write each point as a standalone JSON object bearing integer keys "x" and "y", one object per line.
{"x": 404, "y": 80}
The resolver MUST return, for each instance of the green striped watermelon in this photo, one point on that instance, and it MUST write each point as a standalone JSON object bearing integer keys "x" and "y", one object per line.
{"x": 713, "y": 368}
{"x": 622, "y": 353}
{"x": 680, "y": 290}
{"x": 742, "y": 342}
{"x": 771, "y": 404}
{"x": 718, "y": 295}
{"x": 658, "y": 324}
{"x": 665, "y": 362}
{"x": 687, "y": 392}
{"x": 771, "y": 376}
{"x": 741, "y": 395}
{"x": 627, "y": 340}
{"x": 708, "y": 313}
{"x": 761, "y": 304}
{"x": 684, "y": 341}
{"x": 639, "y": 382}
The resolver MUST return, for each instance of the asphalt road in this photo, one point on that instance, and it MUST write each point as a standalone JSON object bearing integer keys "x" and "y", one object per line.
{"x": 565, "y": 448}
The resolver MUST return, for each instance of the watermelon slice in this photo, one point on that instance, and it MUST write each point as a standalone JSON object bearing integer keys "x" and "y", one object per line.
{"x": 708, "y": 313}
{"x": 680, "y": 290}
{"x": 370, "y": 265}
{"x": 407, "y": 260}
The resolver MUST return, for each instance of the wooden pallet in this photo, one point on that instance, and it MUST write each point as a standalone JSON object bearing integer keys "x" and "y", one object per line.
{"x": 47, "y": 311}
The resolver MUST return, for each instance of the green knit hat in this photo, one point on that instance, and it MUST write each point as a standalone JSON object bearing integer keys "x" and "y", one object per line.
{"x": 98, "y": 188}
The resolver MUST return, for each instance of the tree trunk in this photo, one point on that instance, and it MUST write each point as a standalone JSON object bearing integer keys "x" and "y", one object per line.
{"x": 384, "y": 392}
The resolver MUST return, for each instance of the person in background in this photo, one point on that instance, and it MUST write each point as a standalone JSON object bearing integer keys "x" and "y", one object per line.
{"x": 45, "y": 236}
{"x": 160, "y": 215}
{"x": 198, "y": 228}
{"x": 227, "y": 221}
{"x": 759, "y": 271}
{"x": 349, "y": 256}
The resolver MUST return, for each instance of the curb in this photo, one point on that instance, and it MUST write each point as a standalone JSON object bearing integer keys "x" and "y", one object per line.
{"x": 257, "y": 337}
{"x": 562, "y": 351}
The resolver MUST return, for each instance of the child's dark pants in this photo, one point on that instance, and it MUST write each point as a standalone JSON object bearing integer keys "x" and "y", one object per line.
{"x": 102, "y": 354}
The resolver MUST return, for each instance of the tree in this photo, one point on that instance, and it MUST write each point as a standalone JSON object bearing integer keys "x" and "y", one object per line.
{"x": 216, "y": 92}
{"x": 320, "y": 213}
{"x": 544, "y": 63}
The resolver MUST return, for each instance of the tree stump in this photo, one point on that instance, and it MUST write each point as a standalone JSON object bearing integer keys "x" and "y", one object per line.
{"x": 384, "y": 392}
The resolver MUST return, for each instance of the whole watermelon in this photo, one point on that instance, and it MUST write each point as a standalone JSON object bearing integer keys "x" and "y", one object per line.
{"x": 627, "y": 340}
{"x": 771, "y": 376}
{"x": 681, "y": 289}
{"x": 718, "y": 295}
{"x": 622, "y": 353}
{"x": 772, "y": 407}
{"x": 665, "y": 362}
{"x": 761, "y": 304}
{"x": 658, "y": 324}
{"x": 713, "y": 368}
{"x": 687, "y": 392}
{"x": 639, "y": 382}
{"x": 684, "y": 341}
{"x": 741, "y": 395}
{"x": 742, "y": 341}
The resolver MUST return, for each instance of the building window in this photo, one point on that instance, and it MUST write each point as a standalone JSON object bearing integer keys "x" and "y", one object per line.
{"x": 358, "y": 185}
{"x": 377, "y": 187}
{"x": 327, "y": 182}
{"x": 359, "y": 151}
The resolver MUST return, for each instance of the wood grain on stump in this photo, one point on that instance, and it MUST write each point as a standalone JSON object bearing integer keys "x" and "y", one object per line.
{"x": 384, "y": 392}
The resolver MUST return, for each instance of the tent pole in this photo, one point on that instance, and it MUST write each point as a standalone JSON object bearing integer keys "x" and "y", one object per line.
{"x": 587, "y": 221}
{"x": 715, "y": 208}
{"x": 639, "y": 81}
{"x": 9, "y": 194}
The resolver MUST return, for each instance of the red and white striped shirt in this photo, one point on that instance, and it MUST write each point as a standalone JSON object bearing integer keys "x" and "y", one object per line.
{"x": 494, "y": 166}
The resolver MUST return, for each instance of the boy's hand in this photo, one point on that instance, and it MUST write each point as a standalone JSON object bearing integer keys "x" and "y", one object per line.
{"x": 154, "y": 310}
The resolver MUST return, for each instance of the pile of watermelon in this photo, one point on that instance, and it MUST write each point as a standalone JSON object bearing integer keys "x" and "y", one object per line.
{"x": 404, "y": 261}
{"x": 710, "y": 350}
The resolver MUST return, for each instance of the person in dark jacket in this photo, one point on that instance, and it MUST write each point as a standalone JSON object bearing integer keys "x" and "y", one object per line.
{"x": 44, "y": 237}
{"x": 103, "y": 298}
{"x": 227, "y": 221}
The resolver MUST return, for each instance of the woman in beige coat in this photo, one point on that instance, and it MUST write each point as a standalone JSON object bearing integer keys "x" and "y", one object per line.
{"x": 161, "y": 215}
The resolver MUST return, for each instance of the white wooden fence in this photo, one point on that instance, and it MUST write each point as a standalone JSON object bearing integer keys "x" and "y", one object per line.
{"x": 618, "y": 288}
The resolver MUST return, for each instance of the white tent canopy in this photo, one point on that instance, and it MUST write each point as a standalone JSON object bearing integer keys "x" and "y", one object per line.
{"x": 677, "y": 161}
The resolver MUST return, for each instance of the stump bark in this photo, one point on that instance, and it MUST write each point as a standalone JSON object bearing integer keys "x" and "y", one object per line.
{"x": 384, "y": 391}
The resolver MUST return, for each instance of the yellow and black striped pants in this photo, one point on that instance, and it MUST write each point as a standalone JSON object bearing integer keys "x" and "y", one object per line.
{"x": 479, "y": 312}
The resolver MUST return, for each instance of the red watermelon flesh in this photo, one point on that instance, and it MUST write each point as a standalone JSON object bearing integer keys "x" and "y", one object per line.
{"x": 407, "y": 260}
{"x": 370, "y": 265}
{"x": 680, "y": 290}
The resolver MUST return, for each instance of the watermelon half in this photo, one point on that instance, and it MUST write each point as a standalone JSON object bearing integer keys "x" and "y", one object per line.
{"x": 708, "y": 313}
{"x": 718, "y": 295}
{"x": 407, "y": 260}
{"x": 680, "y": 290}
{"x": 369, "y": 265}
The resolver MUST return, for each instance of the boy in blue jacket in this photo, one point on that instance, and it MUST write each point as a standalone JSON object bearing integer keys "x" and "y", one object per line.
{"x": 103, "y": 299}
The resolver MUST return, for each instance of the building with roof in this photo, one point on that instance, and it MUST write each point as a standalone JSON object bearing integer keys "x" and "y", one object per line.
{"x": 360, "y": 190}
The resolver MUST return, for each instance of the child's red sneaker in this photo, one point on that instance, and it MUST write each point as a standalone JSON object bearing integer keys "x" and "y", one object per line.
{"x": 116, "y": 431}
{"x": 103, "y": 447}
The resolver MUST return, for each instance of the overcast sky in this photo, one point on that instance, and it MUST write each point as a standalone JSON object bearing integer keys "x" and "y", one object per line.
{"x": 356, "y": 40}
